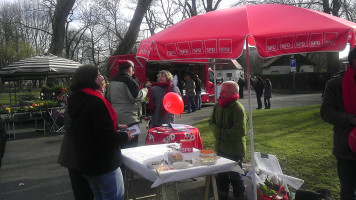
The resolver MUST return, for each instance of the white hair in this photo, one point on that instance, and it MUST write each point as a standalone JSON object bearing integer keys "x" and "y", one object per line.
{"x": 233, "y": 86}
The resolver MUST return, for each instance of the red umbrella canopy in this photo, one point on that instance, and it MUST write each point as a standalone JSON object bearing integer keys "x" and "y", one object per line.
{"x": 276, "y": 30}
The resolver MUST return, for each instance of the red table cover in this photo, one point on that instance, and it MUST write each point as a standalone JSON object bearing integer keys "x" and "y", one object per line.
{"x": 162, "y": 135}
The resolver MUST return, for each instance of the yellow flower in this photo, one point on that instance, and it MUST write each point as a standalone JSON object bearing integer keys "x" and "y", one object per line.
{"x": 41, "y": 104}
{"x": 8, "y": 108}
{"x": 31, "y": 106}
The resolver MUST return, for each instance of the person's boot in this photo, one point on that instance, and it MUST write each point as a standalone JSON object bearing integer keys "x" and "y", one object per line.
{"x": 266, "y": 106}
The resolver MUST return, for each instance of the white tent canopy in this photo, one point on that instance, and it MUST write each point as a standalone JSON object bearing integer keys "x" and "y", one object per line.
{"x": 39, "y": 67}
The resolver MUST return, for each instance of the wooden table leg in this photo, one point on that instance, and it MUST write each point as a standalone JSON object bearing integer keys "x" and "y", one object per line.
{"x": 176, "y": 192}
{"x": 129, "y": 184}
{"x": 132, "y": 184}
{"x": 215, "y": 189}
{"x": 164, "y": 191}
{"x": 158, "y": 193}
{"x": 207, "y": 186}
{"x": 126, "y": 184}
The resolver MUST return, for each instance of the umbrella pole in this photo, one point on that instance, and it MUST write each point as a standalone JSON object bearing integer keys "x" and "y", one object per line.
{"x": 250, "y": 132}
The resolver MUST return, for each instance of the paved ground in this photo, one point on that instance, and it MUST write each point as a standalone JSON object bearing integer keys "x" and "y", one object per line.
{"x": 30, "y": 170}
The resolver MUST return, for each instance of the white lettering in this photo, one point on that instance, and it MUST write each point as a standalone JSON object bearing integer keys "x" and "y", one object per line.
{"x": 188, "y": 149}
{"x": 167, "y": 105}
{"x": 189, "y": 136}
{"x": 184, "y": 51}
{"x": 143, "y": 51}
{"x": 271, "y": 48}
{"x": 330, "y": 42}
{"x": 171, "y": 53}
{"x": 224, "y": 49}
{"x": 197, "y": 50}
{"x": 285, "y": 46}
{"x": 150, "y": 137}
{"x": 299, "y": 44}
{"x": 210, "y": 50}
{"x": 314, "y": 43}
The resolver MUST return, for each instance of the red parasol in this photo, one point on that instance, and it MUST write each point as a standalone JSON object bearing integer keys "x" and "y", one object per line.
{"x": 275, "y": 30}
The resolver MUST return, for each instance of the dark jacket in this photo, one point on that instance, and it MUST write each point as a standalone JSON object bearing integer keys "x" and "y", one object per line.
{"x": 258, "y": 86}
{"x": 67, "y": 154}
{"x": 158, "y": 93}
{"x": 197, "y": 82}
{"x": 333, "y": 111}
{"x": 96, "y": 142}
{"x": 268, "y": 90}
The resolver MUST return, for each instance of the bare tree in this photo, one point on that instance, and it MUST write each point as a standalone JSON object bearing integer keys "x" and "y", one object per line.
{"x": 35, "y": 24}
{"x": 131, "y": 35}
{"x": 13, "y": 44}
{"x": 60, "y": 15}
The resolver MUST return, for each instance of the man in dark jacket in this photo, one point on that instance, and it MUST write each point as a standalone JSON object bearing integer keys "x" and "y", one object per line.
{"x": 197, "y": 82}
{"x": 258, "y": 86}
{"x": 339, "y": 109}
{"x": 242, "y": 84}
{"x": 3, "y": 139}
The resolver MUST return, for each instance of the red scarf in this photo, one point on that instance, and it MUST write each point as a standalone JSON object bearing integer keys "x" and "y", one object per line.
{"x": 223, "y": 102}
{"x": 111, "y": 110}
{"x": 151, "y": 104}
{"x": 349, "y": 91}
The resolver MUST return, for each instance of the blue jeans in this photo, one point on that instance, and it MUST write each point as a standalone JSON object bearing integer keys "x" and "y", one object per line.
{"x": 191, "y": 103}
{"x": 198, "y": 100}
{"x": 347, "y": 175}
{"x": 109, "y": 186}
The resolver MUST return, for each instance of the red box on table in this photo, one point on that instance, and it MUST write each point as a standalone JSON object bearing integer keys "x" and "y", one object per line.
{"x": 186, "y": 146}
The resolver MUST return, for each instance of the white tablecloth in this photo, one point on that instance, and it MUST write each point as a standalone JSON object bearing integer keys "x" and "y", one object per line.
{"x": 136, "y": 159}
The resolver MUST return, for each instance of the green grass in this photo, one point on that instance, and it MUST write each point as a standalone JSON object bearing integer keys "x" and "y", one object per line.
{"x": 300, "y": 140}
{"x": 5, "y": 97}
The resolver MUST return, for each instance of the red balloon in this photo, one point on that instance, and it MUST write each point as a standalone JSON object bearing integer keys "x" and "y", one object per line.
{"x": 173, "y": 103}
{"x": 352, "y": 139}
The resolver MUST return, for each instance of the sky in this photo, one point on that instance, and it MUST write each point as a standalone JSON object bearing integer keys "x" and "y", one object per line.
{"x": 223, "y": 4}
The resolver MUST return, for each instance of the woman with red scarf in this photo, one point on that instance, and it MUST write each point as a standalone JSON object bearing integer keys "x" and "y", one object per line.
{"x": 156, "y": 93}
{"x": 93, "y": 126}
{"x": 339, "y": 109}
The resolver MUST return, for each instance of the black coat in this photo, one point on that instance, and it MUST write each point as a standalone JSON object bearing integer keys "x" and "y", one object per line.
{"x": 332, "y": 111}
{"x": 96, "y": 142}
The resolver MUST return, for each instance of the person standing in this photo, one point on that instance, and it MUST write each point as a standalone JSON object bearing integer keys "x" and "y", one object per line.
{"x": 157, "y": 90}
{"x": 267, "y": 94}
{"x": 93, "y": 125}
{"x": 197, "y": 82}
{"x": 126, "y": 97}
{"x": 190, "y": 93}
{"x": 68, "y": 158}
{"x": 339, "y": 109}
{"x": 228, "y": 123}
{"x": 3, "y": 140}
{"x": 258, "y": 85}
{"x": 242, "y": 85}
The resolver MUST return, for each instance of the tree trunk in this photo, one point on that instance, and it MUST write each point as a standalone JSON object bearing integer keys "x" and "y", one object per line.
{"x": 333, "y": 62}
{"x": 131, "y": 35}
{"x": 61, "y": 13}
{"x": 130, "y": 38}
{"x": 332, "y": 57}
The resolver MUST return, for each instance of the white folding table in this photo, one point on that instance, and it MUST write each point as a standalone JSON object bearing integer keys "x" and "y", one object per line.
{"x": 136, "y": 159}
